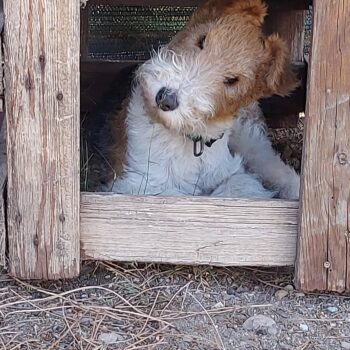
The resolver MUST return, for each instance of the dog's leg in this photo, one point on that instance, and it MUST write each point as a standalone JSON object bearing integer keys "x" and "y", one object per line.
{"x": 249, "y": 139}
{"x": 242, "y": 186}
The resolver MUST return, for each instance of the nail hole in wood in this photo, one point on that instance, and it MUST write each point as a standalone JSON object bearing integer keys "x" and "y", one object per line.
{"x": 59, "y": 96}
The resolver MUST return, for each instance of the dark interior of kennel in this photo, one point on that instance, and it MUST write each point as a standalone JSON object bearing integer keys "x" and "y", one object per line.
{"x": 117, "y": 36}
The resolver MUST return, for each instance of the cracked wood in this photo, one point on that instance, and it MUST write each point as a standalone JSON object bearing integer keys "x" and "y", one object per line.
{"x": 188, "y": 230}
{"x": 42, "y": 109}
{"x": 323, "y": 256}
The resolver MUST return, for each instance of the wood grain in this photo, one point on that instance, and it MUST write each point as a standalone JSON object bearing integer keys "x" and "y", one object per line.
{"x": 3, "y": 179}
{"x": 42, "y": 109}
{"x": 323, "y": 257}
{"x": 188, "y": 230}
{"x": 3, "y": 157}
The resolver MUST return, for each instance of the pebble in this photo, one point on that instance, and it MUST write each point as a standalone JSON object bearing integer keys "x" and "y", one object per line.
{"x": 345, "y": 345}
{"x": 261, "y": 323}
{"x": 281, "y": 293}
{"x": 231, "y": 291}
{"x": 304, "y": 327}
{"x": 332, "y": 309}
{"x": 86, "y": 321}
{"x": 219, "y": 305}
{"x": 110, "y": 337}
{"x": 242, "y": 289}
{"x": 299, "y": 295}
{"x": 289, "y": 287}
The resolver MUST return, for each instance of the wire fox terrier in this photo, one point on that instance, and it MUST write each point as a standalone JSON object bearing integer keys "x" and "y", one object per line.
{"x": 192, "y": 125}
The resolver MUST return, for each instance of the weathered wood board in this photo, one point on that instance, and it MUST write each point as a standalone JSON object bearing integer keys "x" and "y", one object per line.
{"x": 188, "y": 230}
{"x": 42, "y": 109}
{"x": 323, "y": 247}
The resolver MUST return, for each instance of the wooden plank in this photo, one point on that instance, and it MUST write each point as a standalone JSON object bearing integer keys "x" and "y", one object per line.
{"x": 280, "y": 5}
{"x": 324, "y": 252}
{"x": 2, "y": 114}
{"x": 3, "y": 158}
{"x": 3, "y": 179}
{"x": 188, "y": 230}
{"x": 42, "y": 110}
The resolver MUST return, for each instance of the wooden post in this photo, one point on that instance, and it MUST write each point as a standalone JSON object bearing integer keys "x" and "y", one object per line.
{"x": 3, "y": 178}
{"x": 3, "y": 162}
{"x": 323, "y": 261}
{"x": 42, "y": 109}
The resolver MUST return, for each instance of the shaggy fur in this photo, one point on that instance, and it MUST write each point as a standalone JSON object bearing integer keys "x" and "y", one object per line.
{"x": 216, "y": 69}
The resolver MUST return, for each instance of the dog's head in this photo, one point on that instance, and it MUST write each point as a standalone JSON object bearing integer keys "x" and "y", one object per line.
{"x": 221, "y": 61}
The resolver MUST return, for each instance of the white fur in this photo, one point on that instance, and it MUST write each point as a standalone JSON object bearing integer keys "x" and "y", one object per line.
{"x": 161, "y": 162}
{"x": 160, "y": 159}
{"x": 248, "y": 137}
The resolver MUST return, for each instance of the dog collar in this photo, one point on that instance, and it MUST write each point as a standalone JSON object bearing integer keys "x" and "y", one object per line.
{"x": 198, "y": 143}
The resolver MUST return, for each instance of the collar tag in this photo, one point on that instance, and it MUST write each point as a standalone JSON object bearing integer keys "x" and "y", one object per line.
{"x": 198, "y": 146}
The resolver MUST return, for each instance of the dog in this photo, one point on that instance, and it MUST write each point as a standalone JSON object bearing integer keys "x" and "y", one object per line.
{"x": 192, "y": 124}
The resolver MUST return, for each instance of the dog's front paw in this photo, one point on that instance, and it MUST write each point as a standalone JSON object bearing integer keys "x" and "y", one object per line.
{"x": 290, "y": 190}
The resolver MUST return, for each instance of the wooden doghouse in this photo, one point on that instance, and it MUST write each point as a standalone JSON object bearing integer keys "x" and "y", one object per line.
{"x": 51, "y": 226}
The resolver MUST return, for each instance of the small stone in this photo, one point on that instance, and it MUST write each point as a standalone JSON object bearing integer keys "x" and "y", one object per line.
{"x": 289, "y": 287}
{"x": 86, "y": 321}
{"x": 110, "y": 338}
{"x": 261, "y": 324}
{"x": 299, "y": 295}
{"x": 332, "y": 309}
{"x": 304, "y": 327}
{"x": 281, "y": 293}
{"x": 218, "y": 305}
{"x": 231, "y": 291}
{"x": 345, "y": 345}
{"x": 242, "y": 289}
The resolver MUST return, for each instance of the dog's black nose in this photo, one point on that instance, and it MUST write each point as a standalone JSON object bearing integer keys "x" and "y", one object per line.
{"x": 166, "y": 99}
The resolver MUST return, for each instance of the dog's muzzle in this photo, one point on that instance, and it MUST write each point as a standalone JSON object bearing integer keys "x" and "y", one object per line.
{"x": 166, "y": 100}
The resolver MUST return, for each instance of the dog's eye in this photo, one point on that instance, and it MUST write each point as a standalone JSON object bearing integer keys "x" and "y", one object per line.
{"x": 230, "y": 81}
{"x": 200, "y": 42}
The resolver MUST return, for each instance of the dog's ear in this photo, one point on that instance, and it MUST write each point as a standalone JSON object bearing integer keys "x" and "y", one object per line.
{"x": 254, "y": 10}
{"x": 280, "y": 77}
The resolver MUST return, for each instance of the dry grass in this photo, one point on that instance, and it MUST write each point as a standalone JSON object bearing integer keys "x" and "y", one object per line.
{"x": 131, "y": 306}
{"x": 127, "y": 303}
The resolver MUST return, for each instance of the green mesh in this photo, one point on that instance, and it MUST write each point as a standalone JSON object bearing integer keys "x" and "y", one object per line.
{"x": 132, "y": 32}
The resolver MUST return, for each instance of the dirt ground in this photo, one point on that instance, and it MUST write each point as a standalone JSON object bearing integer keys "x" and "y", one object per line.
{"x": 129, "y": 306}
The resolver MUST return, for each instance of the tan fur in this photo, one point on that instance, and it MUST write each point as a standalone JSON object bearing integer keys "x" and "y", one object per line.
{"x": 235, "y": 41}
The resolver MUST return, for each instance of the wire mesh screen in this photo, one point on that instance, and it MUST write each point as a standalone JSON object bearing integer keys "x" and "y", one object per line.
{"x": 308, "y": 31}
{"x": 132, "y": 32}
